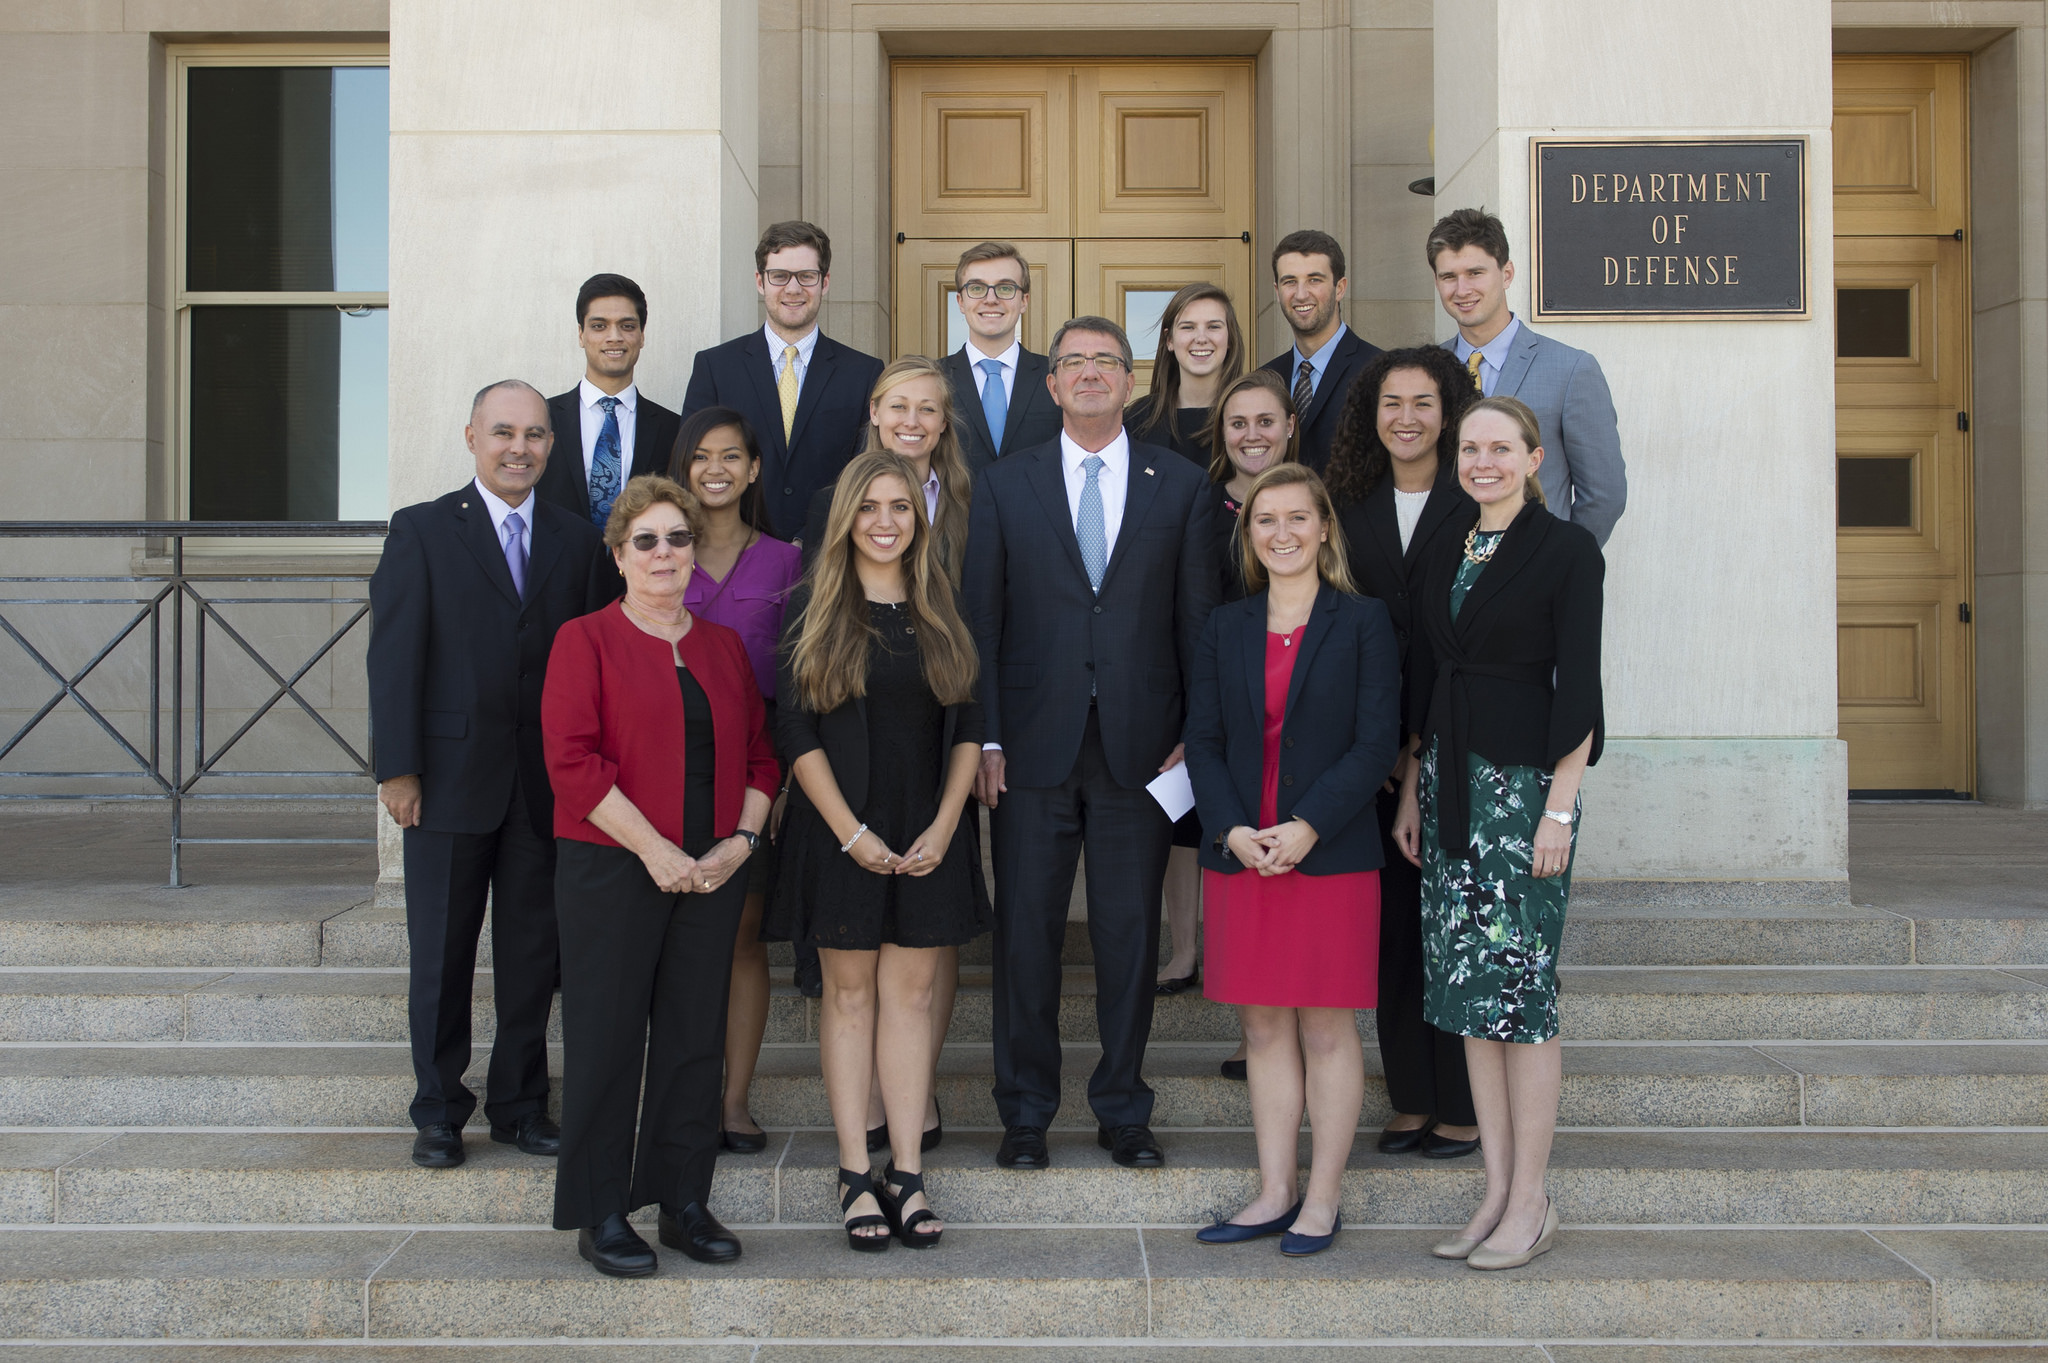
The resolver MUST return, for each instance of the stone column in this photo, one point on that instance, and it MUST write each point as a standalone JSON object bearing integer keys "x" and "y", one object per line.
{"x": 1722, "y": 760}
{"x": 535, "y": 143}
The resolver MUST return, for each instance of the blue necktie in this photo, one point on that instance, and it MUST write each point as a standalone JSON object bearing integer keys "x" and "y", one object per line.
{"x": 604, "y": 465}
{"x": 1088, "y": 525}
{"x": 995, "y": 403}
{"x": 515, "y": 552}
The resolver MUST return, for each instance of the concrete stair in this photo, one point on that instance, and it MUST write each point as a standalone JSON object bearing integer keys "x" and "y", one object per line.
{"x": 1802, "y": 1123}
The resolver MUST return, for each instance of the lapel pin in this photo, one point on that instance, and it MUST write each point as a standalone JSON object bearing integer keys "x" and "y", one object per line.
{"x": 1148, "y": 473}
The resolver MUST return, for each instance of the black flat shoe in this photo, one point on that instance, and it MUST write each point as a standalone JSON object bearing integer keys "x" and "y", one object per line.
{"x": 856, "y": 1183}
{"x": 438, "y": 1146}
{"x": 878, "y": 1136}
{"x": 1441, "y": 1147}
{"x": 534, "y": 1134}
{"x": 1179, "y": 984}
{"x": 1394, "y": 1142}
{"x": 697, "y": 1233}
{"x": 1134, "y": 1147}
{"x": 902, "y": 1226}
{"x": 1023, "y": 1147}
{"x": 1234, "y": 1069}
{"x": 615, "y": 1249}
{"x": 743, "y": 1142}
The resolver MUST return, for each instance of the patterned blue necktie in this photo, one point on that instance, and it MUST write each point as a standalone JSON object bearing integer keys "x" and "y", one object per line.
{"x": 1088, "y": 526}
{"x": 604, "y": 465}
{"x": 515, "y": 552}
{"x": 995, "y": 403}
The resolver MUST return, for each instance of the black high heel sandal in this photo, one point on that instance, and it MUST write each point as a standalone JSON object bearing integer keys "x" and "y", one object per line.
{"x": 858, "y": 1183}
{"x": 905, "y": 1227}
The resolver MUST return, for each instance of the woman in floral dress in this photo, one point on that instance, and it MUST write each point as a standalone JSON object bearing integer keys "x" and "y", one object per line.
{"x": 1505, "y": 684}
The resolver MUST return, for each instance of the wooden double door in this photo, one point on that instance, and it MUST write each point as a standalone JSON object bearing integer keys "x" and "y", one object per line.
{"x": 1120, "y": 181}
{"x": 1904, "y": 561}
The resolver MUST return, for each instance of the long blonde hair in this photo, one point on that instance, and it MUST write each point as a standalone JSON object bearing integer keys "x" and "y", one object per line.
{"x": 829, "y": 656}
{"x": 1333, "y": 564}
{"x": 956, "y": 485}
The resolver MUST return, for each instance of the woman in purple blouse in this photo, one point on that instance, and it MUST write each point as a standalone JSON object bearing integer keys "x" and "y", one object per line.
{"x": 742, "y": 580}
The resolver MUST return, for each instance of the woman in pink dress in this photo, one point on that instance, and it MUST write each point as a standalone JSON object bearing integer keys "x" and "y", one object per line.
{"x": 1293, "y": 713}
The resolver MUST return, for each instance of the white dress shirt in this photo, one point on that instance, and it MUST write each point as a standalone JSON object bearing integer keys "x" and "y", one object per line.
{"x": 500, "y": 509}
{"x": 1494, "y": 354}
{"x": 805, "y": 348}
{"x": 1113, "y": 481}
{"x": 931, "y": 497}
{"x": 587, "y": 394}
{"x": 1009, "y": 360}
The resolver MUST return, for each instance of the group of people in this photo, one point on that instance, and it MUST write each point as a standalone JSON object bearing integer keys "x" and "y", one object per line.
{"x": 753, "y": 671}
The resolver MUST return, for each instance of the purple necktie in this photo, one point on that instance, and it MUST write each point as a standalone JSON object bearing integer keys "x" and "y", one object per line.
{"x": 515, "y": 552}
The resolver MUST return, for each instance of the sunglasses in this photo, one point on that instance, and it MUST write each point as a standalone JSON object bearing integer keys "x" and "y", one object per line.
{"x": 647, "y": 539}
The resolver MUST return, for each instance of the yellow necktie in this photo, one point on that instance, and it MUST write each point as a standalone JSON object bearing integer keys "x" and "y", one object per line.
{"x": 1472, "y": 363}
{"x": 786, "y": 386}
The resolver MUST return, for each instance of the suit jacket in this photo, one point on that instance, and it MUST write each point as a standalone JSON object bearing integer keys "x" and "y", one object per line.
{"x": 1338, "y": 739}
{"x": 831, "y": 416}
{"x": 1033, "y": 418}
{"x": 457, "y": 659}
{"x": 563, "y": 481}
{"x": 1044, "y": 637}
{"x": 1583, "y": 476}
{"x": 1372, "y": 540}
{"x": 1319, "y": 423}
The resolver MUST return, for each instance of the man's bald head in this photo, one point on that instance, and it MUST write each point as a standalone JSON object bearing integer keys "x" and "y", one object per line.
{"x": 510, "y": 436}
{"x": 476, "y": 403}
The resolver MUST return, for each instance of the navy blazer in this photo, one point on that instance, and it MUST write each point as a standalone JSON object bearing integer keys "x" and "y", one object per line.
{"x": 831, "y": 416}
{"x": 1045, "y": 637}
{"x": 1318, "y": 424}
{"x": 1338, "y": 740}
{"x": 457, "y": 659}
{"x": 1033, "y": 418}
{"x": 563, "y": 481}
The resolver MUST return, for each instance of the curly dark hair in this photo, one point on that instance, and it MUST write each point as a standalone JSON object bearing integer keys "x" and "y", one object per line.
{"x": 1357, "y": 458}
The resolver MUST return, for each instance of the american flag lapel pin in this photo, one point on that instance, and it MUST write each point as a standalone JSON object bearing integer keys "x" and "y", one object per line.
{"x": 1148, "y": 473}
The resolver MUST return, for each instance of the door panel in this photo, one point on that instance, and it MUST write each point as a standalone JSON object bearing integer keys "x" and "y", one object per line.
{"x": 1901, "y": 324}
{"x": 983, "y": 149}
{"x": 931, "y": 322}
{"x": 1898, "y": 125}
{"x": 1169, "y": 153}
{"x": 1129, "y": 282}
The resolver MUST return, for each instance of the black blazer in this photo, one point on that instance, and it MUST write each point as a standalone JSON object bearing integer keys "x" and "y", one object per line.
{"x": 1338, "y": 740}
{"x": 843, "y": 733}
{"x": 1319, "y": 423}
{"x": 457, "y": 660}
{"x": 1372, "y": 542}
{"x": 1033, "y": 418}
{"x": 1045, "y": 637}
{"x": 563, "y": 482}
{"x": 1516, "y": 677}
{"x": 831, "y": 416}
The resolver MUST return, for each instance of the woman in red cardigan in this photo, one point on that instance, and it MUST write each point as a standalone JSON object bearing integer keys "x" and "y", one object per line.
{"x": 662, "y": 769}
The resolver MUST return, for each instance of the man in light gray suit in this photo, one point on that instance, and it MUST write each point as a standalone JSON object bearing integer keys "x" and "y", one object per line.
{"x": 1583, "y": 477}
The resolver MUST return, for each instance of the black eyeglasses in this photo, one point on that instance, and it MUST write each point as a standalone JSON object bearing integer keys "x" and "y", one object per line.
{"x": 779, "y": 279}
{"x": 1006, "y": 290}
{"x": 647, "y": 539}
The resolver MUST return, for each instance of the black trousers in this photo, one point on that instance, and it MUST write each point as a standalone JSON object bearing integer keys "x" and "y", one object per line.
{"x": 1425, "y": 1067}
{"x": 1039, "y": 833}
{"x": 645, "y": 978}
{"x": 449, "y": 877}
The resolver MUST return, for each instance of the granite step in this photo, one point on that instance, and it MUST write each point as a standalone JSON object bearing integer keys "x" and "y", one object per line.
{"x": 771, "y": 1350}
{"x": 1104, "y": 1284}
{"x": 1801, "y": 1178}
{"x": 1606, "y": 1084}
{"x": 1598, "y": 1003}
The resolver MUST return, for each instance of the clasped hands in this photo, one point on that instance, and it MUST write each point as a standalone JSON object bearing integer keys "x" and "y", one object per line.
{"x": 1272, "y": 851}
{"x": 675, "y": 871}
{"x": 922, "y": 857}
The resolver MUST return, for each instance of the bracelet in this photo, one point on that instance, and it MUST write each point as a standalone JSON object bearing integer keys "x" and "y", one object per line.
{"x": 855, "y": 838}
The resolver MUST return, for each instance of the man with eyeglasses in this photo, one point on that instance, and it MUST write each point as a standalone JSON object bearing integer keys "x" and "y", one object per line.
{"x": 1090, "y": 574}
{"x": 999, "y": 389}
{"x": 464, "y": 606}
{"x": 804, "y": 394}
{"x": 621, "y": 432}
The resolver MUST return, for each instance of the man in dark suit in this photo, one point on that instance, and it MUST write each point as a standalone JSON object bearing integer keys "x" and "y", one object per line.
{"x": 1309, "y": 279}
{"x": 1000, "y": 399}
{"x": 1090, "y": 573}
{"x": 805, "y": 395}
{"x": 605, "y": 416}
{"x": 1583, "y": 475}
{"x": 465, "y": 604}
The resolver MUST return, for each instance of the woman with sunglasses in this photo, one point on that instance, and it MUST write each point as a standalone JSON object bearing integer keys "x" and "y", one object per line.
{"x": 658, "y": 752}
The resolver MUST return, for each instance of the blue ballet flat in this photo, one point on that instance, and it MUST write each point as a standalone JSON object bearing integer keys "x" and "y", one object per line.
{"x": 1301, "y": 1246}
{"x": 1231, "y": 1233}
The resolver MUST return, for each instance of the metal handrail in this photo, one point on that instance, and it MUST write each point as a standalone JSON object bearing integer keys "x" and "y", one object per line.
{"x": 178, "y": 588}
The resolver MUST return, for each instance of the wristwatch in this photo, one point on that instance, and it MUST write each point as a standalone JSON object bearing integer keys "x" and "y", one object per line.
{"x": 753, "y": 839}
{"x": 1562, "y": 816}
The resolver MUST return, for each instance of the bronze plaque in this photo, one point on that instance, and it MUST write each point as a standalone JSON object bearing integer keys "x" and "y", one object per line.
{"x": 1655, "y": 229}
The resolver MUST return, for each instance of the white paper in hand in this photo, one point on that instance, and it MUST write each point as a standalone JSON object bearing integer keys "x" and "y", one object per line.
{"x": 1173, "y": 790}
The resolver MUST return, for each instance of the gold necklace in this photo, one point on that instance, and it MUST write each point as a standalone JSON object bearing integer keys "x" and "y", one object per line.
{"x": 1479, "y": 555}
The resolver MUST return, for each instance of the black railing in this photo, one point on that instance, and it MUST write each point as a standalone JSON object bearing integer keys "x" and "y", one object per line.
{"x": 162, "y": 599}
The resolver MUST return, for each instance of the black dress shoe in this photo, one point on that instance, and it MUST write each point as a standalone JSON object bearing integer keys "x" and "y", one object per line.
{"x": 1134, "y": 1147}
{"x": 1234, "y": 1069}
{"x": 1442, "y": 1147}
{"x": 743, "y": 1142}
{"x": 697, "y": 1233}
{"x": 534, "y": 1134}
{"x": 1394, "y": 1142}
{"x": 438, "y": 1146}
{"x": 1023, "y": 1147}
{"x": 615, "y": 1249}
{"x": 1179, "y": 984}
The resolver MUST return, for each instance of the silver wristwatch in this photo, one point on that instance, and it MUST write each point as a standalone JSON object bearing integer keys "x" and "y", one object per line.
{"x": 1564, "y": 817}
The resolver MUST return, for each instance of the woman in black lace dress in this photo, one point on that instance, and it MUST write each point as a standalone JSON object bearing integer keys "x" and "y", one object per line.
{"x": 875, "y": 680}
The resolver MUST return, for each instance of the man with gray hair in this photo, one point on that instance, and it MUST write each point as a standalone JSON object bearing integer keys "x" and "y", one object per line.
{"x": 1091, "y": 570}
{"x": 465, "y": 604}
